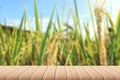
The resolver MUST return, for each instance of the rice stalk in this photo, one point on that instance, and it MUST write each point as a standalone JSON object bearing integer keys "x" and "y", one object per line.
{"x": 17, "y": 41}
{"x": 99, "y": 13}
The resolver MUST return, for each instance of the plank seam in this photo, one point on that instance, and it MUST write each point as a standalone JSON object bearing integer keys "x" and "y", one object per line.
{"x": 98, "y": 72}
{"x": 44, "y": 72}
{"x": 21, "y": 73}
{"x": 34, "y": 72}
{"x": 76, "y": 72}
{"x": 65, "y": 72}
{"x": 87, "y": 72}
{"x": 55, "y": 72}
{"x": 9, "y": 73}
{"x": 24, "y": 72}
{"x": 108, "y": 72}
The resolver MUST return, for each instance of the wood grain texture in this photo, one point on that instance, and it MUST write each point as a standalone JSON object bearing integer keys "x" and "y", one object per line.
{"x": 14, "y": 75}
{"x": 93, "y": 73}
{"x": 71, "y": 73}
{"x": 105, "y": 74}
{"x": 59, "y": 72}
{"x": 7, "y": 71}
{"x": 50, "y": 73}
{"x": 83, "y": 74}
{"x": 38, "y": 75}
{"x": 113, "y": 72}
{"x": 28, "y": 73}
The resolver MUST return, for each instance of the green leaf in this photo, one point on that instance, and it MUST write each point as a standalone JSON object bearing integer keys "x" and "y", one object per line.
{"x": 43, "y": 47}
{"x": 38, "y": 28}
{"x": 58, "y": 20}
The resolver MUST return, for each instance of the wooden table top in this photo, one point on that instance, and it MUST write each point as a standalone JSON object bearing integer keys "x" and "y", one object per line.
{"x": 59, "y": 73}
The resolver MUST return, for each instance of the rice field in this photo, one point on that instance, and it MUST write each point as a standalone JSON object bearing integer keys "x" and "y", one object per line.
{"x": 62, "y": 43}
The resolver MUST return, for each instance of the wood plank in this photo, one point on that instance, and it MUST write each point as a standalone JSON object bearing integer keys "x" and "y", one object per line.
{"x": 115, "y": 68}
{"x": 38, "y": 75}
{"x": 83, "y": 74}
{"x": 71, "y": 73}
{"x": 7, "y": 72}
{"x": 60, "y": 73}
{"x": 28, "y": 73}
{"x": 112, "y": 71}
{"x": 14, "y": 75}
{"x": 94, "y": 74}
{"x": 107, "y": 75}
{"x": 4, "y": 68}
{"x": 50, "y": 73}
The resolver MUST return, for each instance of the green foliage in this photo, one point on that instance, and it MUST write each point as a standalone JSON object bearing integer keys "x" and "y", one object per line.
{"x": 44, "y": 43}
